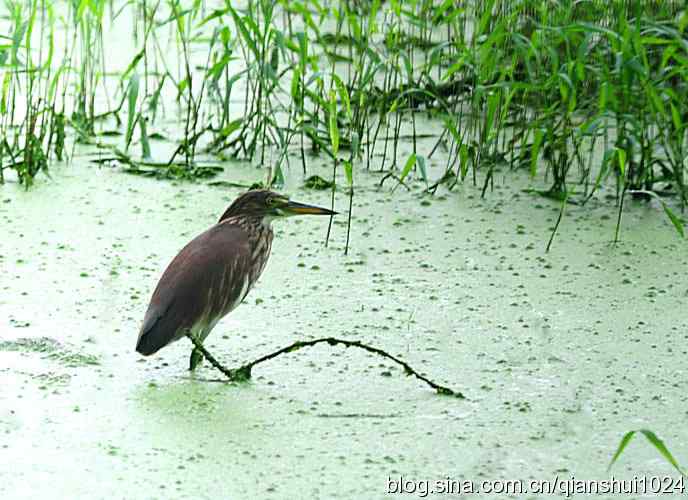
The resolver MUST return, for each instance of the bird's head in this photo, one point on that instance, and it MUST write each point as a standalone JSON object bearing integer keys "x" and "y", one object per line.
{"x": 269, "y": 205}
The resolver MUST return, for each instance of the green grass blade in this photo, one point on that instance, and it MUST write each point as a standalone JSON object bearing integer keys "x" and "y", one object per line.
{"x": 674, "y": 220}
{"x": 420, "y": 161}
{"x": 622, "y": 446}
{"x": 343, "y": 94}
{"x": 661, "y": 448}
{"x": 407, "y": 167}
{"x": 677, "y": 223}
{"x": 654, "y": 440}
{"x": 132, "y": 96}
{"x": 535, "y": 151}
{"x": 349, "y": 172}
{"x": 334, "y": 129}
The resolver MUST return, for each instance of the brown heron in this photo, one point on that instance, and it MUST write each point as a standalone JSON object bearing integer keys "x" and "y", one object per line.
{"x": 213, "y": 273}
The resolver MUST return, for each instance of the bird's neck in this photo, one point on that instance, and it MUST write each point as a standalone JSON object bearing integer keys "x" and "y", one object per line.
{"x": 266, "y": 221}
{"x": 255, "y": 225}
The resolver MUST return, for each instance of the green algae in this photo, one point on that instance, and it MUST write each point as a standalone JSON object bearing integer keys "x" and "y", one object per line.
{"x": 51, "y": 349}
{"x": 558, "y": 359}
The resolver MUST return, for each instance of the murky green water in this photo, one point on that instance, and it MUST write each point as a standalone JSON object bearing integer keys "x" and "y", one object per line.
{"x": 559, "y": 353}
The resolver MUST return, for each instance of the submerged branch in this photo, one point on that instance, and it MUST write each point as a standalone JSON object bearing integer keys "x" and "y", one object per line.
{"x": 243, "y": 373}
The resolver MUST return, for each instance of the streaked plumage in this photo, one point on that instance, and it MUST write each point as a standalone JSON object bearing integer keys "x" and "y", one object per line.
{"x": 215, "y": 271}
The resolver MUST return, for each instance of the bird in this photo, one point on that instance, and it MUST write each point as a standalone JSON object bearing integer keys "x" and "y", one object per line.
{"x": 215, "y": 271}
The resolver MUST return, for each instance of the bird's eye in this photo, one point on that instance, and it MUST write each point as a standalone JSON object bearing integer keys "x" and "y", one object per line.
{"x": 271, "y": 201}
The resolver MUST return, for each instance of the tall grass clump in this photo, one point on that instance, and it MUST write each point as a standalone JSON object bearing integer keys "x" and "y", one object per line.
{"x": 584, "y": 96}
{"x": 32, "y": 124}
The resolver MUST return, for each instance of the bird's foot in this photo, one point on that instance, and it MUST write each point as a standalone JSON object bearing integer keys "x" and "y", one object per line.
{"x": 195, "y": 359}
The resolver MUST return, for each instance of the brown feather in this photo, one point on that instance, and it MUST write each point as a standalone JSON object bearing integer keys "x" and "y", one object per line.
{"x": 209, "y": 277}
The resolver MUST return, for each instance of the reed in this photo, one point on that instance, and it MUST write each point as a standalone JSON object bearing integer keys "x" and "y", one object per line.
{"x": 583, "y": 96}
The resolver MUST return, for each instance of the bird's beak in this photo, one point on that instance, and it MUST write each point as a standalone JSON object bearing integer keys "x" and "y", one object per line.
{"x": 294, "y": 208}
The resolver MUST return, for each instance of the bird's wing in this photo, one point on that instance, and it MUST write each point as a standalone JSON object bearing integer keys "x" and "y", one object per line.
{"x": 197, "y": 286}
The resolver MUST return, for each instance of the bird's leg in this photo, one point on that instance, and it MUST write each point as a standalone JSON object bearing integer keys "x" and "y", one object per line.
{"x": 198, "y": 346}
{"x": 195, "y": 359}
{"x": 197, "y": 356}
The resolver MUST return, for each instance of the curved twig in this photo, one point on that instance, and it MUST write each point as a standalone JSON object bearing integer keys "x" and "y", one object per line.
{"x": 243, "y": 373}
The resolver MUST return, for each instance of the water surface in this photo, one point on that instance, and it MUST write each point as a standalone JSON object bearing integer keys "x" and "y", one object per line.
{"x": 559, "y": 353}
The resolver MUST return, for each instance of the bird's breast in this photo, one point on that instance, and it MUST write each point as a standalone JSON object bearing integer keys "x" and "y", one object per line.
{"x": 259, "y": 257}
{"x": 242, "y": 270}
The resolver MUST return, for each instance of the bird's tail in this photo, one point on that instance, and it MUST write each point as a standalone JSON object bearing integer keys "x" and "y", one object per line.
{"x": 159, "y": 328}
{"x": 157, "y": 336}
{"x": 154, "y": 335}
{"x": 147, "y": 344}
